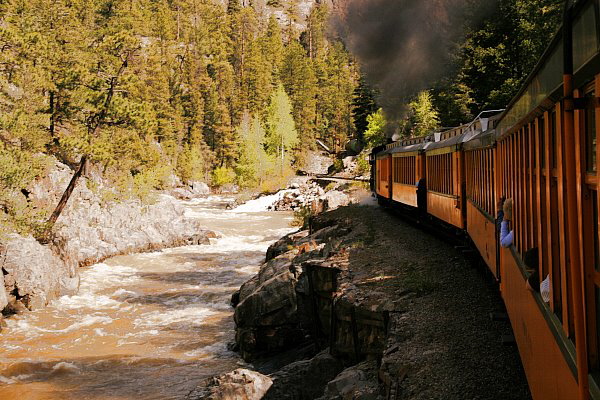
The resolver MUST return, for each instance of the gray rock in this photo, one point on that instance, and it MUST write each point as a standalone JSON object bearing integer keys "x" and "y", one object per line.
{"x": 173, "y": 181}
{"x": 316, "y": 163}
{"x": 241, "y": 384}
{"x": 199, "y": 188}
{"x": 304, "y": 379}
{"x": 3, "y": 296}
{"x": 34, "y": 271}
{"x": 229, "y": 188}
{"x": 283, "y": 244}
{"x": 271, "y": 303}
{"x": 358, "y": 382}
{"x": 335, "y": 199}
{"x": 88, "y": 231}
{"x": 182, "y": 193}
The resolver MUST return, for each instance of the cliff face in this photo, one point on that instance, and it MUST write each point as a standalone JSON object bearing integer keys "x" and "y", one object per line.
{"x": 281, "y": 10}
{"x": 89, "y": 230}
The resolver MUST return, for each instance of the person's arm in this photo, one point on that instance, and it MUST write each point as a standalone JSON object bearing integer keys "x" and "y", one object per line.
{"x": 506, "y": 237}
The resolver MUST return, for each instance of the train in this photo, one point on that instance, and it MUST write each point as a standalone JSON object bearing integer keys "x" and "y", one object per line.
{"x": 541, "y": 152}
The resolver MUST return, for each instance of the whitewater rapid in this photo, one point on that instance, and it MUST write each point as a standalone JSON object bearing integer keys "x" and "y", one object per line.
{"x": 144, "y": 326}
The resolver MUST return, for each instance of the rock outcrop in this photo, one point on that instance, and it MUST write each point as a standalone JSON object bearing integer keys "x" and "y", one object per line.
{"x": 308, "y": 194}
{"x": 304, "y": 294}
{"x": 305, "y": 379}
{"x": 241, "y": 384}
{"x": 358, "y": 382}
{"x": 33, "y": 274}
{"x": 89, "y": 230}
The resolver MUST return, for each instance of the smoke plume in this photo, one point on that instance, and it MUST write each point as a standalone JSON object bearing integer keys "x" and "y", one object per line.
{"x": 403, "y": 46}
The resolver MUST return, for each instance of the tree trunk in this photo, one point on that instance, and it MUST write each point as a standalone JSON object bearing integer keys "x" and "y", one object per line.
{"x": 63, "y": 200}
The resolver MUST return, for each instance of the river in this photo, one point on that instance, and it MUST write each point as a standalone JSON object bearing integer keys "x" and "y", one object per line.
{"x": 143, "y": 326}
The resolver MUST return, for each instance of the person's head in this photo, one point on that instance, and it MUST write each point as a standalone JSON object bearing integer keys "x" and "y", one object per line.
{"x": 501, "y": 202}
{"x": 531, "y": 259}
{"x": 508, "y": 209}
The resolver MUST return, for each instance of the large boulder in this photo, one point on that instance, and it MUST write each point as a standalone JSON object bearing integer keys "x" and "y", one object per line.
{"x": 199, "y": 188}
{"x": 182, "y": 193}
{"x": 241, "y": 384}
{"x": 358, "y": 382}
{"x": 304, "y": 379}
{"x": 335, "y": 199}
{"x": 284, "y": 244}
{"x": 316, "y": 163}
{"x": 33, "y": 273}
{"x": 271, "y": 303}
{"x": 90, "y": 233}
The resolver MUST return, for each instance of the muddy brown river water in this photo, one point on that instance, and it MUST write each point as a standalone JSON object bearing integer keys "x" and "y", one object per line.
{"x": 143, "y": 326}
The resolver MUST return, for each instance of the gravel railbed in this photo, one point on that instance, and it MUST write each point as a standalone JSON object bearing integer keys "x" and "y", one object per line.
{"x": 443, "y": 343}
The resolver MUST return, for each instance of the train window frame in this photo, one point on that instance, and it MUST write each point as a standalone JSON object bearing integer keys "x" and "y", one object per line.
{"x": 589, "y": 121}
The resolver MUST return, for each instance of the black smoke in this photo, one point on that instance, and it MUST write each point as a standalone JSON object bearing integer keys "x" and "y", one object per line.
{"x": 403, "y": 46}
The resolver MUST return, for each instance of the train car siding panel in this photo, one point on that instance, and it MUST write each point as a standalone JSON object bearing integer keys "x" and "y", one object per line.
{"x": 383, "y": 176}
{"x": 405, "y": 176}
{"x": 405, "y": 194}
{"x": 443, "y": 206}
{"x": 483, "y": 233}
{"x": 548, "y": 373}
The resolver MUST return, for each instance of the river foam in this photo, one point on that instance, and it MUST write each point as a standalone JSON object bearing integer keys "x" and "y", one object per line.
{"x": 147, "y": 325}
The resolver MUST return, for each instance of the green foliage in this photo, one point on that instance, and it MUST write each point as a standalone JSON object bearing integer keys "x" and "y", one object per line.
{"x": 363, "y": 105}
{"x": 17, "y": 170}
{"x": 424, "y": 117}
{"x": 338, "y": 165}
{"x": 496, "y": 55}
{"x": 299, "y": 80}
{"x": 281, "y": 128}
{"x": 144, "y": 89}
{"x": 375, "y": 133}
{"x": 222, "y": 176}
{"x": 255, "y": 165}
{"x": 362, "y": 164}
{"x": 192, "y": 164}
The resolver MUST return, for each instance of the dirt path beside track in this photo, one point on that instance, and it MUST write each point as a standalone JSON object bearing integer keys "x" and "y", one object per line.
{"x": 442, "y": 342}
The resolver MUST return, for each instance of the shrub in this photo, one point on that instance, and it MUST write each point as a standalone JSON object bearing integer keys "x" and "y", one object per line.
{"x": 222, "y": 176}
{"x": 302, "y": 217}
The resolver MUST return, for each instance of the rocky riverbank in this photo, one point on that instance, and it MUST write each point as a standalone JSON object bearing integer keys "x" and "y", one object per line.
{"x": 90, "y": 230}
{"x": 364, "y": 306}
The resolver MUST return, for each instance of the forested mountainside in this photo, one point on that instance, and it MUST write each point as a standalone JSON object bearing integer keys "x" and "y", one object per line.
{"x": 147, "y": 89}
{"x": 232, "y": 91}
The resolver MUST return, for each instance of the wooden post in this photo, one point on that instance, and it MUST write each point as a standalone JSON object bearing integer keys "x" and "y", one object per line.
{"x": 572, "y": 191}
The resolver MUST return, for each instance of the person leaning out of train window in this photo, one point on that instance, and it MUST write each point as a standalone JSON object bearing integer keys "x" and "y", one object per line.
{"x": 531, "y": 260}
{"x": 506, "y": 232}
{"x": 500, "y": 215}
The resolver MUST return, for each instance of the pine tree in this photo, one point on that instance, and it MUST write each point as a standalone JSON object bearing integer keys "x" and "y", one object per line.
{"x": 281, "y": 129}
{"x": 363, "y": 105}
{"x": 298, "y": 77}
{"x": 273, "y": 49}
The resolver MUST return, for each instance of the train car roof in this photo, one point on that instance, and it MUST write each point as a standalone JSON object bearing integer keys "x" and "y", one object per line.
{"x": 452, "y": 141}
{"x": 485, "y": 122}
{"x": 543, "y": 87}
{"x": 409, "y": 148}
{"x": 481, "y": 140}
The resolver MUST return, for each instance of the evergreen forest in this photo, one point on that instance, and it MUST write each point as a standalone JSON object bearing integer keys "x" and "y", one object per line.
{"x": 224, "y": 92}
